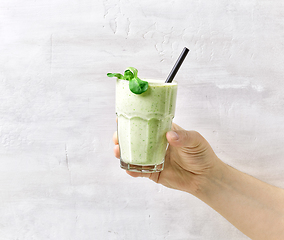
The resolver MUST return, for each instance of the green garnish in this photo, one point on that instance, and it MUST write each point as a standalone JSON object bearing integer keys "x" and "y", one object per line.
{"x": 136, "y": 85}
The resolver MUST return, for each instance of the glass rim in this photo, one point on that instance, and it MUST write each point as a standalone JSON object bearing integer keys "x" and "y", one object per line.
{"x": 156, "y": 82}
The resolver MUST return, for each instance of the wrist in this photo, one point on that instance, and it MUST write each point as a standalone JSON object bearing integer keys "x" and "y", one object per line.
{"x": 211, "y": 180}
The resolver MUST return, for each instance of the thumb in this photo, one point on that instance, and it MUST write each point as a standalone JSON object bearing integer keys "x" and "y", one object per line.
{"x": 183, "y": 138}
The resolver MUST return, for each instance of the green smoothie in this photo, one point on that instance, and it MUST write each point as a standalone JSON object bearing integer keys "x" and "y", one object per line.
{"x": 143, "y": 120}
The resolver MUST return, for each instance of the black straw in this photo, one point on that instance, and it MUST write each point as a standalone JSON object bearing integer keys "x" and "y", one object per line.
{"x": 177, "y": 65}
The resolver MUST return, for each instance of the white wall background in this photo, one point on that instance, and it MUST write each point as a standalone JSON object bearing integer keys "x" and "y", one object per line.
{"x": 59, "y": 178}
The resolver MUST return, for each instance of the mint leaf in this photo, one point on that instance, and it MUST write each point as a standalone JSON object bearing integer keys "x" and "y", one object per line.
{"x": 136, "y": 85}
{"x": 134, "y": 70}
{"x": 128, "y": 75}
{"x": 118, "y": 75}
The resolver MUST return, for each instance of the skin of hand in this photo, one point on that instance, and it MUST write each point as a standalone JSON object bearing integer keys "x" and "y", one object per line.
{"x": 189, "y": 160}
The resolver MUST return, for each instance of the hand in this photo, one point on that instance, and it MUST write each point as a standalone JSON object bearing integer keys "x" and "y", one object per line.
{"x": 254, "y": 207}
{"x": 189, "y": 161}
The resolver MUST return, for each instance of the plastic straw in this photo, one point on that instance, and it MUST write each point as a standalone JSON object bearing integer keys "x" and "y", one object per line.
{"x": 177, "y": 65}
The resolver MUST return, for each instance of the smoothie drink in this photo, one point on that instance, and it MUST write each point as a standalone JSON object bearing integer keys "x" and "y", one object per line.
{"x": 143, "y": 120}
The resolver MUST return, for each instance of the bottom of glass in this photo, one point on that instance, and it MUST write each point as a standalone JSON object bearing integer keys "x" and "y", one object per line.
{"x": 142, "y": 168}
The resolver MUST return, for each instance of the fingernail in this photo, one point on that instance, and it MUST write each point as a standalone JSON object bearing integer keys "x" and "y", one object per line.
{"x": 173, "y": 135}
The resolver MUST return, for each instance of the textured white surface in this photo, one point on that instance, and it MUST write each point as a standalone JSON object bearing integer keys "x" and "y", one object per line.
{"x": 59, "y": 179}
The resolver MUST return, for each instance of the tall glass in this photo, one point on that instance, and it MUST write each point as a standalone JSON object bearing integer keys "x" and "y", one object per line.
{"x": 143, "y": 121}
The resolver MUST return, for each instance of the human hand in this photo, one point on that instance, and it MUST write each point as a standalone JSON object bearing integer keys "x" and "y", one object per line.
{"x": 189, "y": 161}
{"x": 254, "y": 207}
